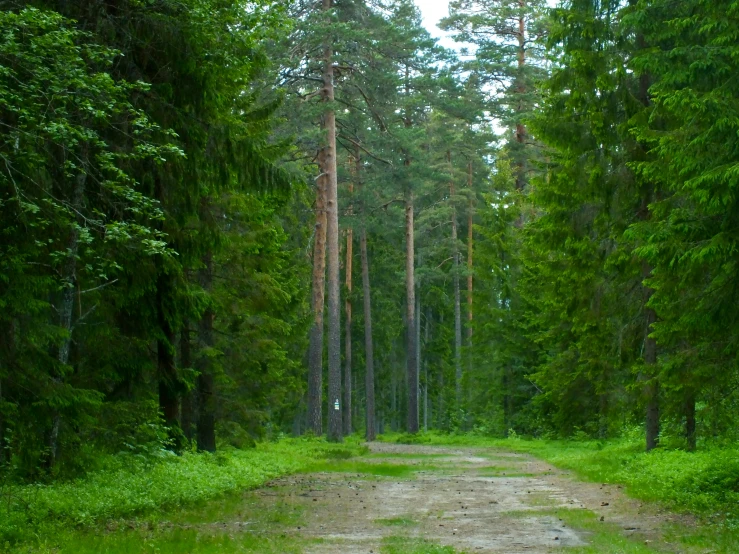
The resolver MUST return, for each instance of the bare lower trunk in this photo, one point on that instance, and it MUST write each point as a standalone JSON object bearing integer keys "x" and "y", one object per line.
{"x": 394, "y": 399}
{"x": 603, "y": 423}
{"x": 418, "y": 344}
{"x": 66, "y": 310}
{"x": 368, "y": 344}
{"x": 348, "y": 337}
{"x": 332, "y": 250}
{"x": 315, "y": 355}
{"x": 187, "y": 410}
{"x": 690, "y": 420}
{"x": 651, "y": 389}
{"x": 348, "y": 308}
{"x": 426, "y": 373}
{"x": 652, "y": 417}
{"x": 440, "y": 410}
{"x": 470, "y": 265}
{"x": 168, "y": 378}
{"x": 206, "y": 424}
{"x": 2, "y": 426}
{"x": 410, "y": 285}
{"x": 457, "y": 297}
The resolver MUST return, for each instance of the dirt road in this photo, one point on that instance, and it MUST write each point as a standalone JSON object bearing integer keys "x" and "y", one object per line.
{"x": 446, "y": 499}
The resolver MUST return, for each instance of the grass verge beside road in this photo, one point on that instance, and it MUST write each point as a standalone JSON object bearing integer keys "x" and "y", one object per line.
{"x": 132, "y": 487}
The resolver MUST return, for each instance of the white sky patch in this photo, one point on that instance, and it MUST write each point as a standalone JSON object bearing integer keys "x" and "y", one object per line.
{"x": 433, "y": 11}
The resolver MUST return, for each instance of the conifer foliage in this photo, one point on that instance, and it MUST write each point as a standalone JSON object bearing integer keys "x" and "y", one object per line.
{"x": 227, "y": 220}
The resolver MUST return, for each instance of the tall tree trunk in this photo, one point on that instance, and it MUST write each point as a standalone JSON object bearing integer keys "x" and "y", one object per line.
{"x": 394, "y": 398}
{"x": 440, "y": 411}
{"x": 168, "y": 378}
{"x": 315, "y": 355}
{"x": 426, "y": 373}
{"x": 66, "y": 309}
{"x": 332, "y": 249}
{"x": 603, "y": 407}
{"x": 348, "y": 304}
{"x": 206, "y": 424}
{"x": 457, "y": 294}
{"x": 690, "y": 419}
{"x": 470, "y": 265}
{"x": 187, "y": 411}
{"x": 521, "y": 89}
{"x": 651, "y": 389}
{"x": 348, "y": 336}
{"x": 368, "y": 344}
{"x": 2, "y": 424}
{"x": 418, "y": 344}
{"x": 410, "y": 286}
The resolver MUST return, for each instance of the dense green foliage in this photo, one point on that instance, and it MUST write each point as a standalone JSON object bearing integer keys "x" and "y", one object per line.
{"x": 134, "y": 486}
{"x": 547, "y": 222}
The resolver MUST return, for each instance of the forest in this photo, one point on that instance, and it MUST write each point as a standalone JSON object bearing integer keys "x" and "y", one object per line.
{"x": 225, "y": 222}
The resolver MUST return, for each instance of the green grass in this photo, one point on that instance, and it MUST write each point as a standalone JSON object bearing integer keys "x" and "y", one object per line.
{"x": 405, "y": 456}
{"x": 603, "y": 537}
{"x": 406, "y": 545}
{"x": 176, "y": 541}
{"x": 132, "y": 487}
{"x": 397, "y": 522}
{"x": 400, "y": 471}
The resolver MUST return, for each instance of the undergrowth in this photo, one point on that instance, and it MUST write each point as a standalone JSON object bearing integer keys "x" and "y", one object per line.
{"x": 131, "y": 486}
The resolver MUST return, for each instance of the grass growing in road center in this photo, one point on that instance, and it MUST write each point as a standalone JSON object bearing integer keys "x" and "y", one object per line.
{"x": 406, "y": 545}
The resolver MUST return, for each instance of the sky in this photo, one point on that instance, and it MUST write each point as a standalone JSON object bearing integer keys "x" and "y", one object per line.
{"x": 433, "y": 11}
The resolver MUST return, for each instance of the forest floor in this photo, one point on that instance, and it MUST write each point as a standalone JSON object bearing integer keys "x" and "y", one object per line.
{"x": 414, "y": 499}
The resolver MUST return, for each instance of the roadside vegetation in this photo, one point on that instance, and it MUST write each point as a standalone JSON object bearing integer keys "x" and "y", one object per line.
{"x": 131, "y": 487}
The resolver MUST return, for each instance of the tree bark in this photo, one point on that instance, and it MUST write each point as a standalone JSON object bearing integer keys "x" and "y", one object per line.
{"x": 348, "y": 308}
{"x": 690, "y": 420}
{"x": 168, "y": 378}
{"x": 394, "y": 397}
{"x": 603, "y": 416}
{"x": 418, "y": 346}
{"x": 457, "y": 294}
{"x": 332, "y": 249}
{"x": 315, "y": 355}
{"x": 521, "y": 89}
{"x": 187, "y": 412}
{"x": 348, "y": 336}
{"x": 410, "y": 285}
{"x": 2, "y": 425}
{"x": 470, "y": 265}
{"x": 66, "y": 309}
{"x": 368, "y": 344}
{"x": 651, "y": 388}
{"x": 206, "y": 424}
{"x": 426, "y": 373}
